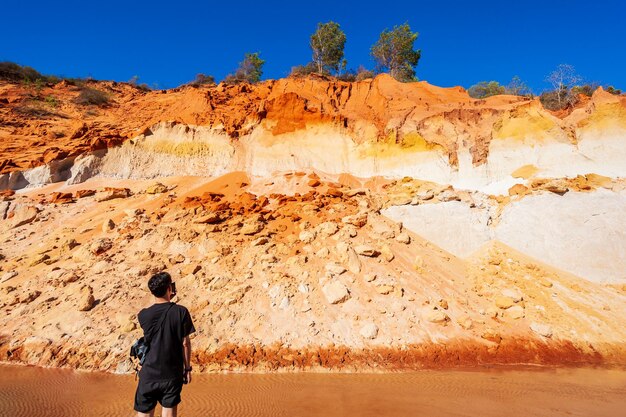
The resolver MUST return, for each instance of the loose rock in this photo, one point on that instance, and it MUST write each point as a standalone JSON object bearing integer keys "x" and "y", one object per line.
{"x": 335, "y": 292}
{"x": 369, "y": 331}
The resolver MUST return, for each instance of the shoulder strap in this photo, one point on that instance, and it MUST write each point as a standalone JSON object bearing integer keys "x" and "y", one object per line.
{"x": 158, "y": 326}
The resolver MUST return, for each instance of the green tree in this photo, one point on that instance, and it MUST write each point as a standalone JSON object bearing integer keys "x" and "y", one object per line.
{"x": 394, "y": 52}
{"x": 250, "y": 70}
{"x": 327, "y": 44}
{"x": 486, "y": 89}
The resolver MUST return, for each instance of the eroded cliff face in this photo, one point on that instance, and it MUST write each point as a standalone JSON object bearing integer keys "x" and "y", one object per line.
{"x": 312, "y": 223}
{"x": 375, "y": 127}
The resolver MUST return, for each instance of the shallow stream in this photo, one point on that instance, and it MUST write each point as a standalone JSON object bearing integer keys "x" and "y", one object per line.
{"x": 29, "y": 391}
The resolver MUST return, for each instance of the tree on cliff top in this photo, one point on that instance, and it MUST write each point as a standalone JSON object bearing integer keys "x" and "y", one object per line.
{"x": 563, "y": 78}
{"x": 327, "y": 44}
{"x": 250, "y": 70}
{"x": 394, "y": 52}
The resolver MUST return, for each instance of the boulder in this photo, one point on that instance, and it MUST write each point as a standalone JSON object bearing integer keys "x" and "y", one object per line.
{"x": 7, "y": 276}
{"x": 322, "y": 253}
{"x": 39, "y": 259}
{"x": 179, "y": 258}
{"x": 504, "y": 302}
{"x": 334, "y": 268}
{"x": 556, "y": 188}
{"x": 384, "y": 289}
{"x": 369, "y": 331}
{"x": 68, "y": 245}
{"x": 541, "y": 329}
{"x": 84, "y": 193}
{"x": 156, "y": 188}
{"x": 448, "y": 195}
{"x": 86, "y": 300}
{"x": 387, "y": 253}
{"x": 108, "y": 226}
{"x": 327, "y": 229}
{"x": 259, "y": 241}
{"x": 404, "y": 238}
{"x": 190, "y": 269}
{"x": 437, "y": 316}
{"x": 110, "y": 193}
{"x": 100, "y": 246}
{"x": 353, "y": 261}
{"x": 366, "y": 250}
{"x": 30, "y": 297}
{"x": 358, "y": 220}
{"x": 383, "y": 229}
{"x": 210, "y": 218}
{"x": 333, "y": 192}
{"x": 61, "y": 198}
{"x": 4, "y": 209}
{"x": 425, "y": 195}
{"x": 23, "y": 214}
{"x": 307, "y": 236}
{"x": 252, "y": 228}
{"x": 515, "y": 312}
{"x": 133, "y": 212}
{"x": 356, "y": 191}
{"x": 491, "y": 335}
{"x": 335, "y": 292}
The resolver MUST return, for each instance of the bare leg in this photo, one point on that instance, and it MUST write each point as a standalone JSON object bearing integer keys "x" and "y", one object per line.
{"x": 150, "y": 414}
{"x": 169, "y": 412}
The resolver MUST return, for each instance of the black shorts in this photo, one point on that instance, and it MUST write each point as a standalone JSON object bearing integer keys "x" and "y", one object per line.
{"x": 166, "y": 393}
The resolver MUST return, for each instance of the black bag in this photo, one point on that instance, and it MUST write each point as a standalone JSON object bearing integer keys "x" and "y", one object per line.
{"x": 140, "y": 348}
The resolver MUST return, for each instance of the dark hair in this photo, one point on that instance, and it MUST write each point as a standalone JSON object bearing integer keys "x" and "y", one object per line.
{"x": 159, "y": 283}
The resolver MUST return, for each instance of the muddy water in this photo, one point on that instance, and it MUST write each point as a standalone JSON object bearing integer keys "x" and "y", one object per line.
{"x": 554, "y": 392}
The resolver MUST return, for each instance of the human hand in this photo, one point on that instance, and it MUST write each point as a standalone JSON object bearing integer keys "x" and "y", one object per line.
{"x": 187, "y": 376}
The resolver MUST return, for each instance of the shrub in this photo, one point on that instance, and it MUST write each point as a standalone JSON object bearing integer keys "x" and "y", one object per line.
{"x": 52, "y": 101}
{"x": 91, "y": 96}
{"x": 363, "y": 74}
{"x": 613, "y": 90}
{"x": 558, "y": 99}
{"x": 203, "y": 79}
{"x": 586, "y": 90}
{"x": 486, "y": 89}
{"x": 517, "y": 87}
{"x": 349, "y": 76}
{"x": 11, "y": 71}
{"x": 302, "y": 70}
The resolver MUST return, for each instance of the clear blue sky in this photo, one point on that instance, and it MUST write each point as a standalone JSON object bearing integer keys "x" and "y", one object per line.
{"x": 168, "y": 43}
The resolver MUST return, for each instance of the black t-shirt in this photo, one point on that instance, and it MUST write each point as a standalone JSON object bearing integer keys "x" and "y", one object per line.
{"x": 164, "y": 360}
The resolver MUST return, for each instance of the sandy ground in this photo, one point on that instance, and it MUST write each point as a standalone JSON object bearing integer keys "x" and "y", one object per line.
{"x": 488, "y": 392}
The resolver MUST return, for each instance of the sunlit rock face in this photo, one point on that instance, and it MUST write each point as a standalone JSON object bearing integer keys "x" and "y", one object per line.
{"x": 312, "y": 223}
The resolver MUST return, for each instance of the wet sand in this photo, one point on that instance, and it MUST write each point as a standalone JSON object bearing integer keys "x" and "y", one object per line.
{"x": 28, "y": 391}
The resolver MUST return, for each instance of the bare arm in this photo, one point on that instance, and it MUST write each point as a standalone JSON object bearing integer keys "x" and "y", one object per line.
{"x": 187, "y": 357}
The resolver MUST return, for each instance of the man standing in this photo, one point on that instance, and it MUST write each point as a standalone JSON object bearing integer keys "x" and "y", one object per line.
{"x": 167, "y": 363}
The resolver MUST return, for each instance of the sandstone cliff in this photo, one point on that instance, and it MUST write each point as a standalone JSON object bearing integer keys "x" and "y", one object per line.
{"x": 312, "y": 223}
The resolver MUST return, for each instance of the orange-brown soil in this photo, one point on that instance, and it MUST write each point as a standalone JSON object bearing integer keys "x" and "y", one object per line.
{"x": 37, "y": 127}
